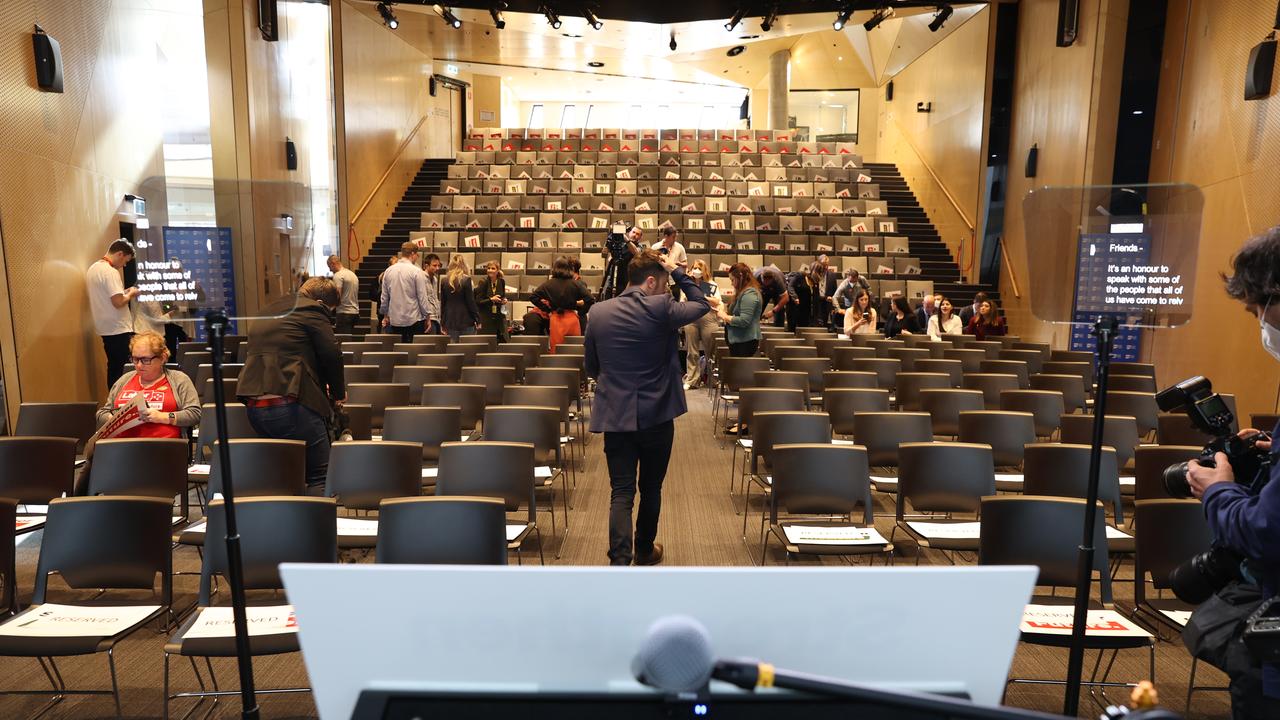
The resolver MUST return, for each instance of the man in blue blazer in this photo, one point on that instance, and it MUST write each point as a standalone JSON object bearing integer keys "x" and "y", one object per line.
{"x": 631, "y": 345}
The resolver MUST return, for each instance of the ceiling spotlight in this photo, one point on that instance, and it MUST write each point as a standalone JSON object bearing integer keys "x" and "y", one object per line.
{"x": 595, "y": 64}
{"x": 880, "y": 16}
{"x": 552, "y": 18}
{"x": 495, "y": 12}
{"x": 388, "y": 18}
{"x": 448, "y": 16}
{"x": 842, "y": 17}
{"x": 592, "y": 19}
{"x": 672, "y": 44}
{"x": 944, "y": 14}
{"x": 735, "y": 51}
{"x": 766, "y": 22}
{"x": 737, "y": 18}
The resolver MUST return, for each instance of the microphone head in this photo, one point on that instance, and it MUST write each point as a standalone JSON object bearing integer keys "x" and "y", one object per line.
{"x": 675, "y": 655}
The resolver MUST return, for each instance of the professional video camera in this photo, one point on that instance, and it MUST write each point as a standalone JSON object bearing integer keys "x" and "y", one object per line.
{"x": 1200, "y": 577}
{"x": 619, "y": 255}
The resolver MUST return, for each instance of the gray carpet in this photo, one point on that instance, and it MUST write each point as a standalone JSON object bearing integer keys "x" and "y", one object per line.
{"x": 699, "y": 527}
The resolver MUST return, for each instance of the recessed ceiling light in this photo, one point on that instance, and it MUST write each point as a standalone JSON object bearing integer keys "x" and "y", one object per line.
{"x": 570, "y": 35}
{"x": 595, "y": 63}
{"x": 748, "y": 37}
{"x": 735, "y": 51}
{"x": 840, "y": 58}
{"x": 1137, "y": 112}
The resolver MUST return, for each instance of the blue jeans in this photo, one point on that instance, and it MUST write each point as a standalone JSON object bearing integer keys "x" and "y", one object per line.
{"x": 295, "y": 421}
{"x": 455, "y": 334}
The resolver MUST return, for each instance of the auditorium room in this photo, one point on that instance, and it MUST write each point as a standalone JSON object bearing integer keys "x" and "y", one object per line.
{"x": 606, "y": 358}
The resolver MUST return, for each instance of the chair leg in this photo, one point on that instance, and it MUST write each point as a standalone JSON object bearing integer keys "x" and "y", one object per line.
{"x": 542, "y": 558}
{"x": 764, "y": 548}
{"x": 115, "y": 685}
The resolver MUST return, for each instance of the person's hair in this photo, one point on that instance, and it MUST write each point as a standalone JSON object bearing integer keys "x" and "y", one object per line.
{"x": 153, "y": 342}
{"x": 408, "y": 249}
{"x": 561, "y": 268}
{"x": 937, "y": 303}
{"x": 575, "y": 264}
{"x": 858, "y": 294}
{"x": 742, "y": 278}
{"x": 901, "y": 305}
{"x": 1256, "y": 278}
{"x": 706, "y": 272}
{"x": 457, "y": 272}
{"x": 493, "y": 265}
{"x": 978, "y": 297}
{"x": 335, "y": 259}
{"x": 321, "y": 290}
{"x": 669, "y": 231}
{"x": 430, "y": 257}
{"x": 645, "y": 265}
{"x": 120, "y": 245}
{"x": 990, "y": 317}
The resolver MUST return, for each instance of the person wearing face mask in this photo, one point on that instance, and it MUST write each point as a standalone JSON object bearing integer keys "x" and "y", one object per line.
{"x": 700, "y": 335}
{"x": 631, "y": 352}
{"x": 1240, "y": 520}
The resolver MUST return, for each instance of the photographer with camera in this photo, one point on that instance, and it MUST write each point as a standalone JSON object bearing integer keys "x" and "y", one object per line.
{"x": 1243, "y": 512}
{"x": 622, "y": 244}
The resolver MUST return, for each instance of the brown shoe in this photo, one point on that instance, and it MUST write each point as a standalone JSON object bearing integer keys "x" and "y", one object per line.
{"x": 653, "y": 558}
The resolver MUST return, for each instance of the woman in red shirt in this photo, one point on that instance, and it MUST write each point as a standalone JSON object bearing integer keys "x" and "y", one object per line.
{"x": 170, "y": 397}
{"x": 986, "y": 322}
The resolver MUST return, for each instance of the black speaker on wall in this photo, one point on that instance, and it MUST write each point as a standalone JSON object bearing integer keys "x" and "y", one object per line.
{"x": 1033, "y": 157}
{"x": 268, "y": 20}
{"x": 888, "y": 92}
{"x": 290, "y": 154}
{"x": 48, "y": 61}
{"x": 1257, "y": 78}
{"x": 431, "y": 85}
{"x": 1068, "y": 22}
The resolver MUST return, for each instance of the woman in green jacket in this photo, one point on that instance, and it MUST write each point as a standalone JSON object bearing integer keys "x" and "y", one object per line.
{"x": 742, "y": 318}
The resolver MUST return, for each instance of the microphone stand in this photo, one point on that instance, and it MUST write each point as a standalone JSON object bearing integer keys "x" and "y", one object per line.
{"x": 1104, "y": 328}
{"x": 216, "y": 324}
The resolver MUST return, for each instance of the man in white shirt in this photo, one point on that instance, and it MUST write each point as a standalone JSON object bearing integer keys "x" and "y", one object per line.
{"x": 668, "y": 247}
{"x": 109, "y": 303}
{"x": 404, "y": 295}
{"x": 348, "y": 293}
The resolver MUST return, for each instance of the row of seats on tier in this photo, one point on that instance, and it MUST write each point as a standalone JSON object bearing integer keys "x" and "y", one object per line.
{"x": 649, "y": 152}
{"x": 490, "y": 175}
{"x": 761, "y": 134}
{"x": 531, "y": 220}
{"x": 871, "y": 246}
{"x": 667, "y": 196}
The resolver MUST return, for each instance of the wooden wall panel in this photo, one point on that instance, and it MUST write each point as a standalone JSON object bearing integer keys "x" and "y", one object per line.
{"x": 1206, "y": 134}
{"x": 953, "y": 76}
{"x": 68, "y": 160}
{"x": 384, "y": 99}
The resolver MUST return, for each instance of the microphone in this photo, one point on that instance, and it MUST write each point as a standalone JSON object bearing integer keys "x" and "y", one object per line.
{"x": 675, "y": 656}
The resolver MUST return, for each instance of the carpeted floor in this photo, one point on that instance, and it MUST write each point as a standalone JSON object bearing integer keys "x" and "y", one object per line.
{"x": 699, "y": 526}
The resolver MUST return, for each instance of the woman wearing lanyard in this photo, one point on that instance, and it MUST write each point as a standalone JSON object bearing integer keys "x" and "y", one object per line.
{"x": 491, "y": 295}
{"x": 171, "y": 399}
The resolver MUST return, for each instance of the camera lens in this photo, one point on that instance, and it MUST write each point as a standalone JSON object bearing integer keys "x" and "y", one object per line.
{"x": 1196, "y": 580}
{"x": 1175, "y": 481}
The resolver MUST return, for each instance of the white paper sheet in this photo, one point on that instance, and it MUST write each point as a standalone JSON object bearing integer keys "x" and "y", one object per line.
{"x": 1128, "y": 481}
{"x": 1009, "y": 477}
{"x": 838, "y": 441}
{"x": 53, "y": 620}
{"x": 1181, "y": 617}
{"x": 195, "y": 527}
{"x": 1115, "y": 533}
{"x": 430, "y": 472}
{"x": 217, "y": 622}
{"x": 198, "y": 469}
{"x": 883, "y": 480}
{"x": 28, "y": 523}
{"x": 357, "y": 527}
{"x": 542, "y": 472}
{"x": 948, "y": 531}
{"x": 1056, "y": 620}
{"x": 514, "y": 530}
{"x": 821, "y": 535}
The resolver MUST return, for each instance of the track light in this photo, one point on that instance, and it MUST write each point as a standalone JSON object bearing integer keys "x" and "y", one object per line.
{"x": 672, "y": 44}
{"x": 766, "y": 22}
{"x": 880, "y": 16}
{"x": 448, "y": 16}
{"x": 842, "y": 17}
{"x": 388, "y": 18}
{"x": 552, "y": 18}
{"x": 944, "y": 14}
{"x": 592, "y": 19}
{"x": 737, "y": 18}
{"x": 495, "y": 12}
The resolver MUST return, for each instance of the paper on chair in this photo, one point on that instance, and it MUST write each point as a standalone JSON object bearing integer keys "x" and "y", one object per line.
{"x": 1057, "y": 620}
{"x": 198, "y": 469}
{"x": 1128, "y": 481}
{"x": 217, "y": 622}
{"x": 514, "y": 530}
{"x": 542, "y": 472}
{"x": 883, "y": 480}
{"x": 195, "y": 527}
{"x": 1181, "y": 617}
{"x": 950, "y": 531}
{"x": 1115, "y": 533}
{"x": 430, "y": 472}
{"x": 357, "y": 527}
{"x": 52, "y": 620}
{"x": 27, "y": 523}
{"x": 824, "y": 535}
{"x": 838, "y": 441}
{"x": 1009, "y": 477}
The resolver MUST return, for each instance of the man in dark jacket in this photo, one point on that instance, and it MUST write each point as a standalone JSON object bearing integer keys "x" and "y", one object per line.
{"x": 292, "y": 370}
{"x": 631, "y": 346}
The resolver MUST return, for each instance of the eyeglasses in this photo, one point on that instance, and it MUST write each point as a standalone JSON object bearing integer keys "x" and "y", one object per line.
{"x": 143, "y": 360}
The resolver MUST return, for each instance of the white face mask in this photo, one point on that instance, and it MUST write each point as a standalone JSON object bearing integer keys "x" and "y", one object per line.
{"x": 1270, "y": 334}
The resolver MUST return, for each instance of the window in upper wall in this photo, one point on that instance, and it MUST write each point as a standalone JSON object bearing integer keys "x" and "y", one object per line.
{"x": 569, "y": 117}
{"x": 535, "y": 117}
{"x": 586, "y": 121}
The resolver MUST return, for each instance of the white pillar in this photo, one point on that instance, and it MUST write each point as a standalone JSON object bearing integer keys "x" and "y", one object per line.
{"x": 779, "y": 80}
